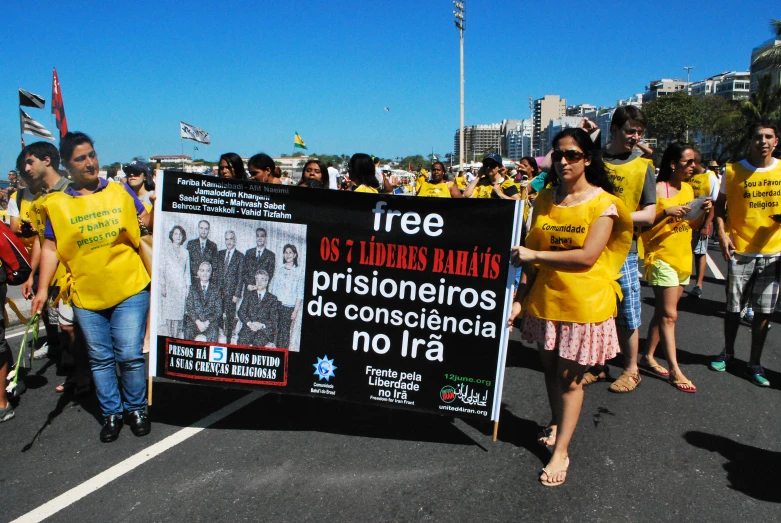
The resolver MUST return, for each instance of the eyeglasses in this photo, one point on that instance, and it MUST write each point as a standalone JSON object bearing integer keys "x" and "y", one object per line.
{"x": 132, "y": 173}
{"x": 633, "y": 132}
{"x": 570, "y": 156}
{"x": 690, "y": 161}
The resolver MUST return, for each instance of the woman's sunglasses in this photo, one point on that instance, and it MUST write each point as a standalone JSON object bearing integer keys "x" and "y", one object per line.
{"x": 570, "y": 156}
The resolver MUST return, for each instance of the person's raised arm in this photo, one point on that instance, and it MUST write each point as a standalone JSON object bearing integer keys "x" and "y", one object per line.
{"x": 470, "y": 189}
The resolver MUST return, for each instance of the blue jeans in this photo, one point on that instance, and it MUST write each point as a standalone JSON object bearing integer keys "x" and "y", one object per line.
{"x": 116, "y": 336}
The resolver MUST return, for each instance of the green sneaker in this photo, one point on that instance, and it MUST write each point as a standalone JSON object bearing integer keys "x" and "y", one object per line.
{"x": 757, "y": 376}
{"x": 721, "y": 362}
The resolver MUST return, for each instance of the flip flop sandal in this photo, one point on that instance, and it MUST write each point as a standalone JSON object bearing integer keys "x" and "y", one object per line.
{"x": 683, "y": 385}
{"x": 547, "y": 437}
{"x": 627, "y": 382}
{"x": 547, "y": 483}
{"x": 589, "y": 377}
{"x": 656, "y": 369}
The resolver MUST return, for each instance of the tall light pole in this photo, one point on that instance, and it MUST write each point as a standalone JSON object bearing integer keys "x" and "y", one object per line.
{"x": 688, "y": 70}
{"x": 531, "y": 117}
{"x": 461, "y": 25}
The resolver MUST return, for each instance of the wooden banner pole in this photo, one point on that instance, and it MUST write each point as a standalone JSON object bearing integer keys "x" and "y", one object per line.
{"x": 496, "y": 429}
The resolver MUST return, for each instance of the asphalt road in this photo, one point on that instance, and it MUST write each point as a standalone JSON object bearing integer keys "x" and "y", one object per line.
{"x": 656, "y": 454}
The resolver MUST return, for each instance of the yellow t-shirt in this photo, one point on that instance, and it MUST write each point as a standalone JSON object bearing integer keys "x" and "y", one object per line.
{"x": 753, "y": 195}
{"x": 97, "y": 241}
{"x": 670, "y": 239}
{"x": 577, "y": 296}
{"x": 434, "y": 190}
{"x": 628, "y": 179}
{"x": 485, "y": 188}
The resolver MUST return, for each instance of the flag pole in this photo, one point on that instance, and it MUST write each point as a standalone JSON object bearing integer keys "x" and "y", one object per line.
{"x": 21, "y": 128}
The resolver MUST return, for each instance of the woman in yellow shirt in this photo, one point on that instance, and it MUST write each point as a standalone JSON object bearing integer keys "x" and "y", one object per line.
{"x": 362, "y": 173}
{"x": 92, "y": 227}
{"x": 438, "y": 187}
{"x": 579, "y": 237}
{"x": 668, "y": 257}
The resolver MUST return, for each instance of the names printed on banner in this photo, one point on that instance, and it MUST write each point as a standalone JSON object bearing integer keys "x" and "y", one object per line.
{"x": 224, "y": 197}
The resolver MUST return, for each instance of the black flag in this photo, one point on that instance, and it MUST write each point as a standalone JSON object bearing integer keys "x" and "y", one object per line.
{"x": 30, "y": 99}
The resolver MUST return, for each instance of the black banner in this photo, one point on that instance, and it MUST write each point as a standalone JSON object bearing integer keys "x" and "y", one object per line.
{"x": 387, "y": 300}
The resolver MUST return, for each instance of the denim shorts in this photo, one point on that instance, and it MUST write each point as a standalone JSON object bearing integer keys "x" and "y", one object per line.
{"x": 629, "y": 309}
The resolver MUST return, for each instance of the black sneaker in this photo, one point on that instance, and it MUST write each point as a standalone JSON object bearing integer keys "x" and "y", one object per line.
{"x": 138, "y": 422}
{"x": 696, "y": 292}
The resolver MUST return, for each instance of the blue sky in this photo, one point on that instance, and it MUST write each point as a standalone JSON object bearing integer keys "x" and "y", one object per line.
{"x": 252, "y": 73}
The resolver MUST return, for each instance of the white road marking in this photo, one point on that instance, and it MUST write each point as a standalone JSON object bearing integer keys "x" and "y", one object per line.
{"x": 107, "y": 476}
{"x": 16, "y": 334}
{"x": 714, "y": 269}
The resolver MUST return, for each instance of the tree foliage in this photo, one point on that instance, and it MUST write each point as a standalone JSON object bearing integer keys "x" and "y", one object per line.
{"x": 670, "y": 117}
{"x": 415, "y": 160}
{"x": 725, "y": 125}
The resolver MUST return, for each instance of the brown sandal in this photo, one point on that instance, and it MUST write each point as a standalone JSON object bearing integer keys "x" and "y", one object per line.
{"x": 627, "y": 382}
{"x": 589, "y": 377}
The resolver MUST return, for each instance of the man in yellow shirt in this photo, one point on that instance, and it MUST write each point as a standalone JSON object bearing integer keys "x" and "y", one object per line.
{"x": 751, "y": 243}
{"x": 633, "y": 177}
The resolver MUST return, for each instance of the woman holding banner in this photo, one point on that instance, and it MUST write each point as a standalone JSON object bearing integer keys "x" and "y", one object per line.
{"x": 232, "y": 166}
{"x": 579, "y": 236}
{"x": 93, "y": 228}
{"x": 315, "y": 171}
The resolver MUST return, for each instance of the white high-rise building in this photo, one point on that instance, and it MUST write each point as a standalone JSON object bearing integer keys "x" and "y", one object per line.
{"x": 555, "y": 126}
{"x": 518, "y": 139}
{"x": 546, "y": 109}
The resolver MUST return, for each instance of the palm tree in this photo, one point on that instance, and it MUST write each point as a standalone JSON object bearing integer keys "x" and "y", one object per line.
{"x": 772, "y": 56}
{"x": 765, "y": 103}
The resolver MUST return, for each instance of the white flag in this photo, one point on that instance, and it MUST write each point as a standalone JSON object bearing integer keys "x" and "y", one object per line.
{"x": 190, "y": 132}
{"x": 30, "y": 126}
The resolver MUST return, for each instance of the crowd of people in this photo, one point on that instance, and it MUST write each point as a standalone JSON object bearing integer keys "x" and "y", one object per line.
{"x": 579, "y": 291}
{"x": 591, "y": 213}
